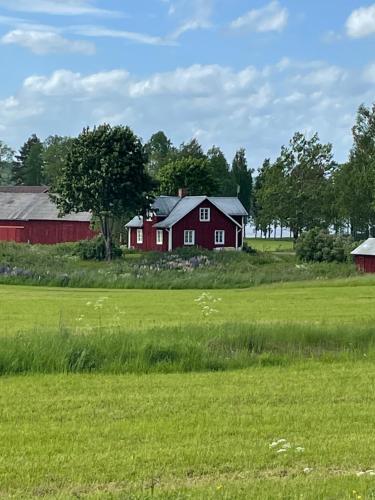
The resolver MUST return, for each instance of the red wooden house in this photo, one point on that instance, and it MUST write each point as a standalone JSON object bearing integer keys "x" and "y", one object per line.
{"x": 27, "y": 215}
{"x": 185, "y": 221}
{"x": 364, "y": 256}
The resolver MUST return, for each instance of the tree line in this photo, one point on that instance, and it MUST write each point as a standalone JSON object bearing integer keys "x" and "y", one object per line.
{"x": 302, "y": 189}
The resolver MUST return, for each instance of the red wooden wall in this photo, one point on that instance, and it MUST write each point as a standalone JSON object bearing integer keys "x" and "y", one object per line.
{"x": 149, "y": 237}
{"x": 365, "y": 263}
{"x": 45, "y": 232}
{"x": 205, "y": 231}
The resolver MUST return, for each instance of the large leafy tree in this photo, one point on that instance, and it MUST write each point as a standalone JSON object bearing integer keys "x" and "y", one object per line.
{"x": 194, "y": 174}
{"x": 221, "y": 171}
{"x": 355, "y": 181}
{"x": 28, "y": 168}
{"x": 55, "y": 155}
{"x": 307, "y": 166}
{"x": 6, "y": 164}
{"x": 159, "y": 151}
{"x": 242, "y": 178}
{"x": 191, "y": 149}
{"x": 106, "y": 174}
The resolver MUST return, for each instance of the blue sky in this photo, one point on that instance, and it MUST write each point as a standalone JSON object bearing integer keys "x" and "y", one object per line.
{"x": 233, "y": 73}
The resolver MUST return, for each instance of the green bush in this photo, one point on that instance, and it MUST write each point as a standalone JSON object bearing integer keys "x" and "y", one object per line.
{"x": 95, "y": 249}
{"x": 318, "y": 245}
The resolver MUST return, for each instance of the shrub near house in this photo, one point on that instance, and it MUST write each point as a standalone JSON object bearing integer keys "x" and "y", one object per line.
{"x": 185, "y": 221}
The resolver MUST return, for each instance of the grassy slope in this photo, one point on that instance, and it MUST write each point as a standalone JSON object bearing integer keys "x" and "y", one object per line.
{"x": 341, "y": 301}
{"x": 193, "y": 436}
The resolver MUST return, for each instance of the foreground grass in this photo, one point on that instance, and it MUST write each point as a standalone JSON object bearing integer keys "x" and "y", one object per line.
{"x": 24, "y": 309}
{"x": 190, "y": 436}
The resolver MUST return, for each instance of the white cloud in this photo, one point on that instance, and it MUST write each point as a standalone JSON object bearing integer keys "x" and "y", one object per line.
{"x": 46, "y": 42}
{"x": 258, "y": 108}
{"x": 369, "y": 73}
{"x": 57, "y": 7}
{"x": 272, "y": 17}
{"x": 361, "y": 22}
{"x": 192, "y": 15}
{"x": 98, "y": 32}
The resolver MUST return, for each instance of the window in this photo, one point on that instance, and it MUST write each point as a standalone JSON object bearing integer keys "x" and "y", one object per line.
{"x": 204, "y": 214}
{"x": 159, "y": 237}
{"x": 189, "y": 237}
{"x": 219, "y": 237}
{"x": 139, "y": 236}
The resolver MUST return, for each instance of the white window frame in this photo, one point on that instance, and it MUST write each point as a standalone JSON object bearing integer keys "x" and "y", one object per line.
{"x": 159, "y": 236}
{"x": 220, "y": 241}
{"x": 139, "y": 236}
{"x": 189, "y": 241}
{"x": 204, "y": 214}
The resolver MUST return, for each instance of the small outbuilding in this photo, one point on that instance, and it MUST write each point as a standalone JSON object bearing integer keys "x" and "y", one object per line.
{"x": 364, "y": 256}
{"x": 28, "y": 215}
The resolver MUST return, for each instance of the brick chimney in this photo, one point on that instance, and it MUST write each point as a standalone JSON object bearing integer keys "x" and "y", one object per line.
{"x": 182, "y": 192}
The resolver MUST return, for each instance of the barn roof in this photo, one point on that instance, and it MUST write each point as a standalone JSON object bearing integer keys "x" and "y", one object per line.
{"x": 24, "y": 189}
{"x": 367, "y": 248}
{"x": 34, "y": 206}
{"x": 229, "y": 206}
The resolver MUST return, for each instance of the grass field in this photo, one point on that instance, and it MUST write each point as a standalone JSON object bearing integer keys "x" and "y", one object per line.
{"x": 271, "y": 245}
{"x": 342, "y": 301}
{"x": 191, "y": 436}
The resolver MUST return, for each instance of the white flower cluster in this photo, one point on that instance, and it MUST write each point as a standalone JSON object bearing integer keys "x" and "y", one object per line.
{"x": 369, "y": 472}
{"x": 282, "y": 446}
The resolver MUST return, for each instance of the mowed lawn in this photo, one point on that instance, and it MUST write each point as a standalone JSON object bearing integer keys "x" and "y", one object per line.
{"x": 191, "y": 436}
{"x": 24, "y": 309}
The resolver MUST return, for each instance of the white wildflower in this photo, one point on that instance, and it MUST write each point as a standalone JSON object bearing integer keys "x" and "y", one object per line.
{"x": 282, "y": 450}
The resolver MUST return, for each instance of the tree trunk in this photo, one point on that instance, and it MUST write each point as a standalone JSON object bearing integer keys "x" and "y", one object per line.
{"x": 107, "y": 235}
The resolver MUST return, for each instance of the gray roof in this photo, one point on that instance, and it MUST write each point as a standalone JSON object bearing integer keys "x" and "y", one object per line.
{"x": 163, "y": 205}
{"x": 34, "y": 206}
{"x": 137, "y": 221}
{"x": 24, "y": 189}
{"x": 367, "y": 248}
{"x": 229, "y": 206}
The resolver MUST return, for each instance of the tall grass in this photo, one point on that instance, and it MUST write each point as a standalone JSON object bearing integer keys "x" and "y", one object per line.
{"x": 185, "y": 349}
{"x": 58, "y": 266}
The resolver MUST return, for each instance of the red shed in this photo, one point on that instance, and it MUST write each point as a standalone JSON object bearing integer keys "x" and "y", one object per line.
{"x": 182, "y": 221}
{"x": 27, "y": 215}
{"x": 364, "y": 256}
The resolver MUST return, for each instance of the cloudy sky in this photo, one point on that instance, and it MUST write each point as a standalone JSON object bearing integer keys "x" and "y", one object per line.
{"x": 229, "y": 72}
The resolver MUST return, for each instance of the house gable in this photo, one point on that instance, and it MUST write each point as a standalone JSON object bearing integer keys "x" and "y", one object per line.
{"x": 205, "y": 231}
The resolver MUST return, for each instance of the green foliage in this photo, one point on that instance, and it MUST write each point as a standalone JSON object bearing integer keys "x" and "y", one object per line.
{"x": 159, "y": 150}
{"x": 194, "y": 174}
{"x": 55, "y": 155}
{"x": 105, "y": 174}
{"x": 220, "y": 167}
{"x": 28, "y": 169}
{"x": 242, "y": 178}
{"x": 95, "y": 249}
{"x": 6, "y": 164}
{"x": 318, "y": 245}
{"x": 59, "y": 265}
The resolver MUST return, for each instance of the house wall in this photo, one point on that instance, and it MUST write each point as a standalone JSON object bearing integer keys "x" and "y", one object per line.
{"x": 365, "y": 263}
{"x": 205, "y": 231}
{"x": 44, "y": 232}
{"x": 149, "y": 237}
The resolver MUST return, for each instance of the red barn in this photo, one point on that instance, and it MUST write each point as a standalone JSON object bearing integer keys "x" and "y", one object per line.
{"x": 184, "y": 221}
{"x": 364, "y": 256}
{"x": 27, "y": 215}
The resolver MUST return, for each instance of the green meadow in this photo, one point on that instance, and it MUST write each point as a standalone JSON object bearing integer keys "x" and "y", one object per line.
{"x": 198, "y": 435}
{"x": 24, "y": 309}
{"x": 251, "y": 392}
